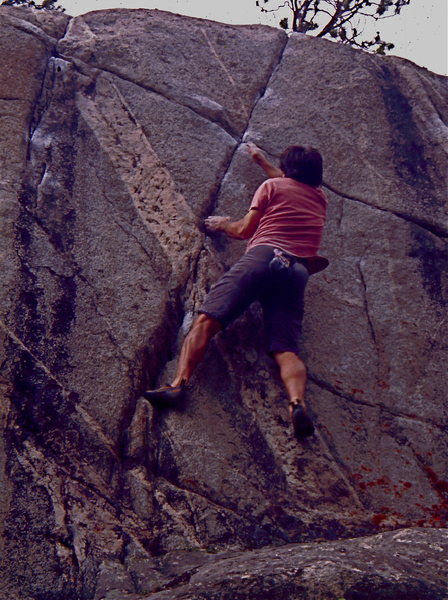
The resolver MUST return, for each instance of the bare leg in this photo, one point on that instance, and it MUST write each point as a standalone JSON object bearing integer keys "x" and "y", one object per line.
{"x": 194, "y": 347}
{"x": 293, "y": 374}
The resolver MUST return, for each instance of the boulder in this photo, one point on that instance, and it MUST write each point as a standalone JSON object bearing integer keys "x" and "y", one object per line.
{"x": 121, "y": 130}
{"x": 381, "y": 566}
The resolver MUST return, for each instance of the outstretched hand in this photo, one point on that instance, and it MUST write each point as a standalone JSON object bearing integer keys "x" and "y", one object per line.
{"x": 256, "y": 154}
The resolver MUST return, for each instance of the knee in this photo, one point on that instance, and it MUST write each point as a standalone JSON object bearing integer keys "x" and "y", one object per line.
{"x": 285, "y": 356}
{"x": 207, "y": 324}
{"x": 290, "y": 360}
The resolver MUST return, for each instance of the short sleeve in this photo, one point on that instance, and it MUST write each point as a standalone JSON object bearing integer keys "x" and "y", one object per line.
{"x": 262, "y": 196}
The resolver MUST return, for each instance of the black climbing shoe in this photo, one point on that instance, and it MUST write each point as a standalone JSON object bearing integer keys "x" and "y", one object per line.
{"x": 303, "y": 425}
{"x": 165, "y": 396}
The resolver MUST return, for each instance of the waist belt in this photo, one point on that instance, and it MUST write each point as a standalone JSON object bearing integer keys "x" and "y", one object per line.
{"x": 282, "y": 261}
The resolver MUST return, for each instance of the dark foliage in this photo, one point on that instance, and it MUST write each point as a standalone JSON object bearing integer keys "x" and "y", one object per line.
{"x": 44, "y": 5}
{"x": 342, "y": 20}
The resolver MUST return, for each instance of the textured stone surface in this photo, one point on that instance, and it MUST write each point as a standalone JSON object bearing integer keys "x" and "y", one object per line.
{"x": 156, "y": 51}
{"x": 120, "y": 130}
{"x": 381, "y": 566}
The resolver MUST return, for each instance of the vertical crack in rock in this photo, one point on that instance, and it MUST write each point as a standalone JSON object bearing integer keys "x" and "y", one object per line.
{"x": 340, "y": 219}
{"x": 241, "y": 138}
{"x": 204, "y": 250}
{"x": 366, "y": 307}
{"x": 40, "y": 106}
{"x": 194, "y": 299}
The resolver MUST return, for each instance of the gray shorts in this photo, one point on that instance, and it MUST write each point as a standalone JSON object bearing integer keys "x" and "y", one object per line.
{"x": 280, "y": 295}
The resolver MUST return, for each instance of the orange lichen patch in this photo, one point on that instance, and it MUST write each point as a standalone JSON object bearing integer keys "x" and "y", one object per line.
{"x": 378, "y": 519}
{"x": 401, "y": 488}
{"x": 437, "y": 515}
{"x": 381, "y": 481}
{"x": 389, "y": 518}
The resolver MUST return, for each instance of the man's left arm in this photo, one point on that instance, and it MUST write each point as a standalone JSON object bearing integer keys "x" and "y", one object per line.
{"x": 240, "y": 230}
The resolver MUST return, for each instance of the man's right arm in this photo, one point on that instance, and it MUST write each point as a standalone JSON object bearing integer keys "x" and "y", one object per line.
{"x": 261, "y": 159}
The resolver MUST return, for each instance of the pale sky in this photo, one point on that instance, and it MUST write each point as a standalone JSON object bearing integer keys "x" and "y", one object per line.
{"x": 419, "y": 32}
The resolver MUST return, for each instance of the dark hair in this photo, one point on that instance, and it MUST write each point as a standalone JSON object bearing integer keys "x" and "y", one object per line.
{"x": 302, "y": 164}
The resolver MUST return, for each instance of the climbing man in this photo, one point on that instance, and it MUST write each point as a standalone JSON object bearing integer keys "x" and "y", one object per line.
{"x": 284, "y": 226}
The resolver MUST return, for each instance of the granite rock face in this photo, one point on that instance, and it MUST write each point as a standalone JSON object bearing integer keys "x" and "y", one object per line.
{"x": 121, "y": 130}
{"x": 382, "y": 566}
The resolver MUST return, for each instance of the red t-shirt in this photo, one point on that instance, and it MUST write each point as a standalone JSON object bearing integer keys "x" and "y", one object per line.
{"x": 293, "y": 216}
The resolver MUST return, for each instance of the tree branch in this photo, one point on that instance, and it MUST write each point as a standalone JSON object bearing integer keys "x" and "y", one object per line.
{"x": 345, "y": 19}
{"x": 301, "y": 13}
{"x": 333, "y": 21}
